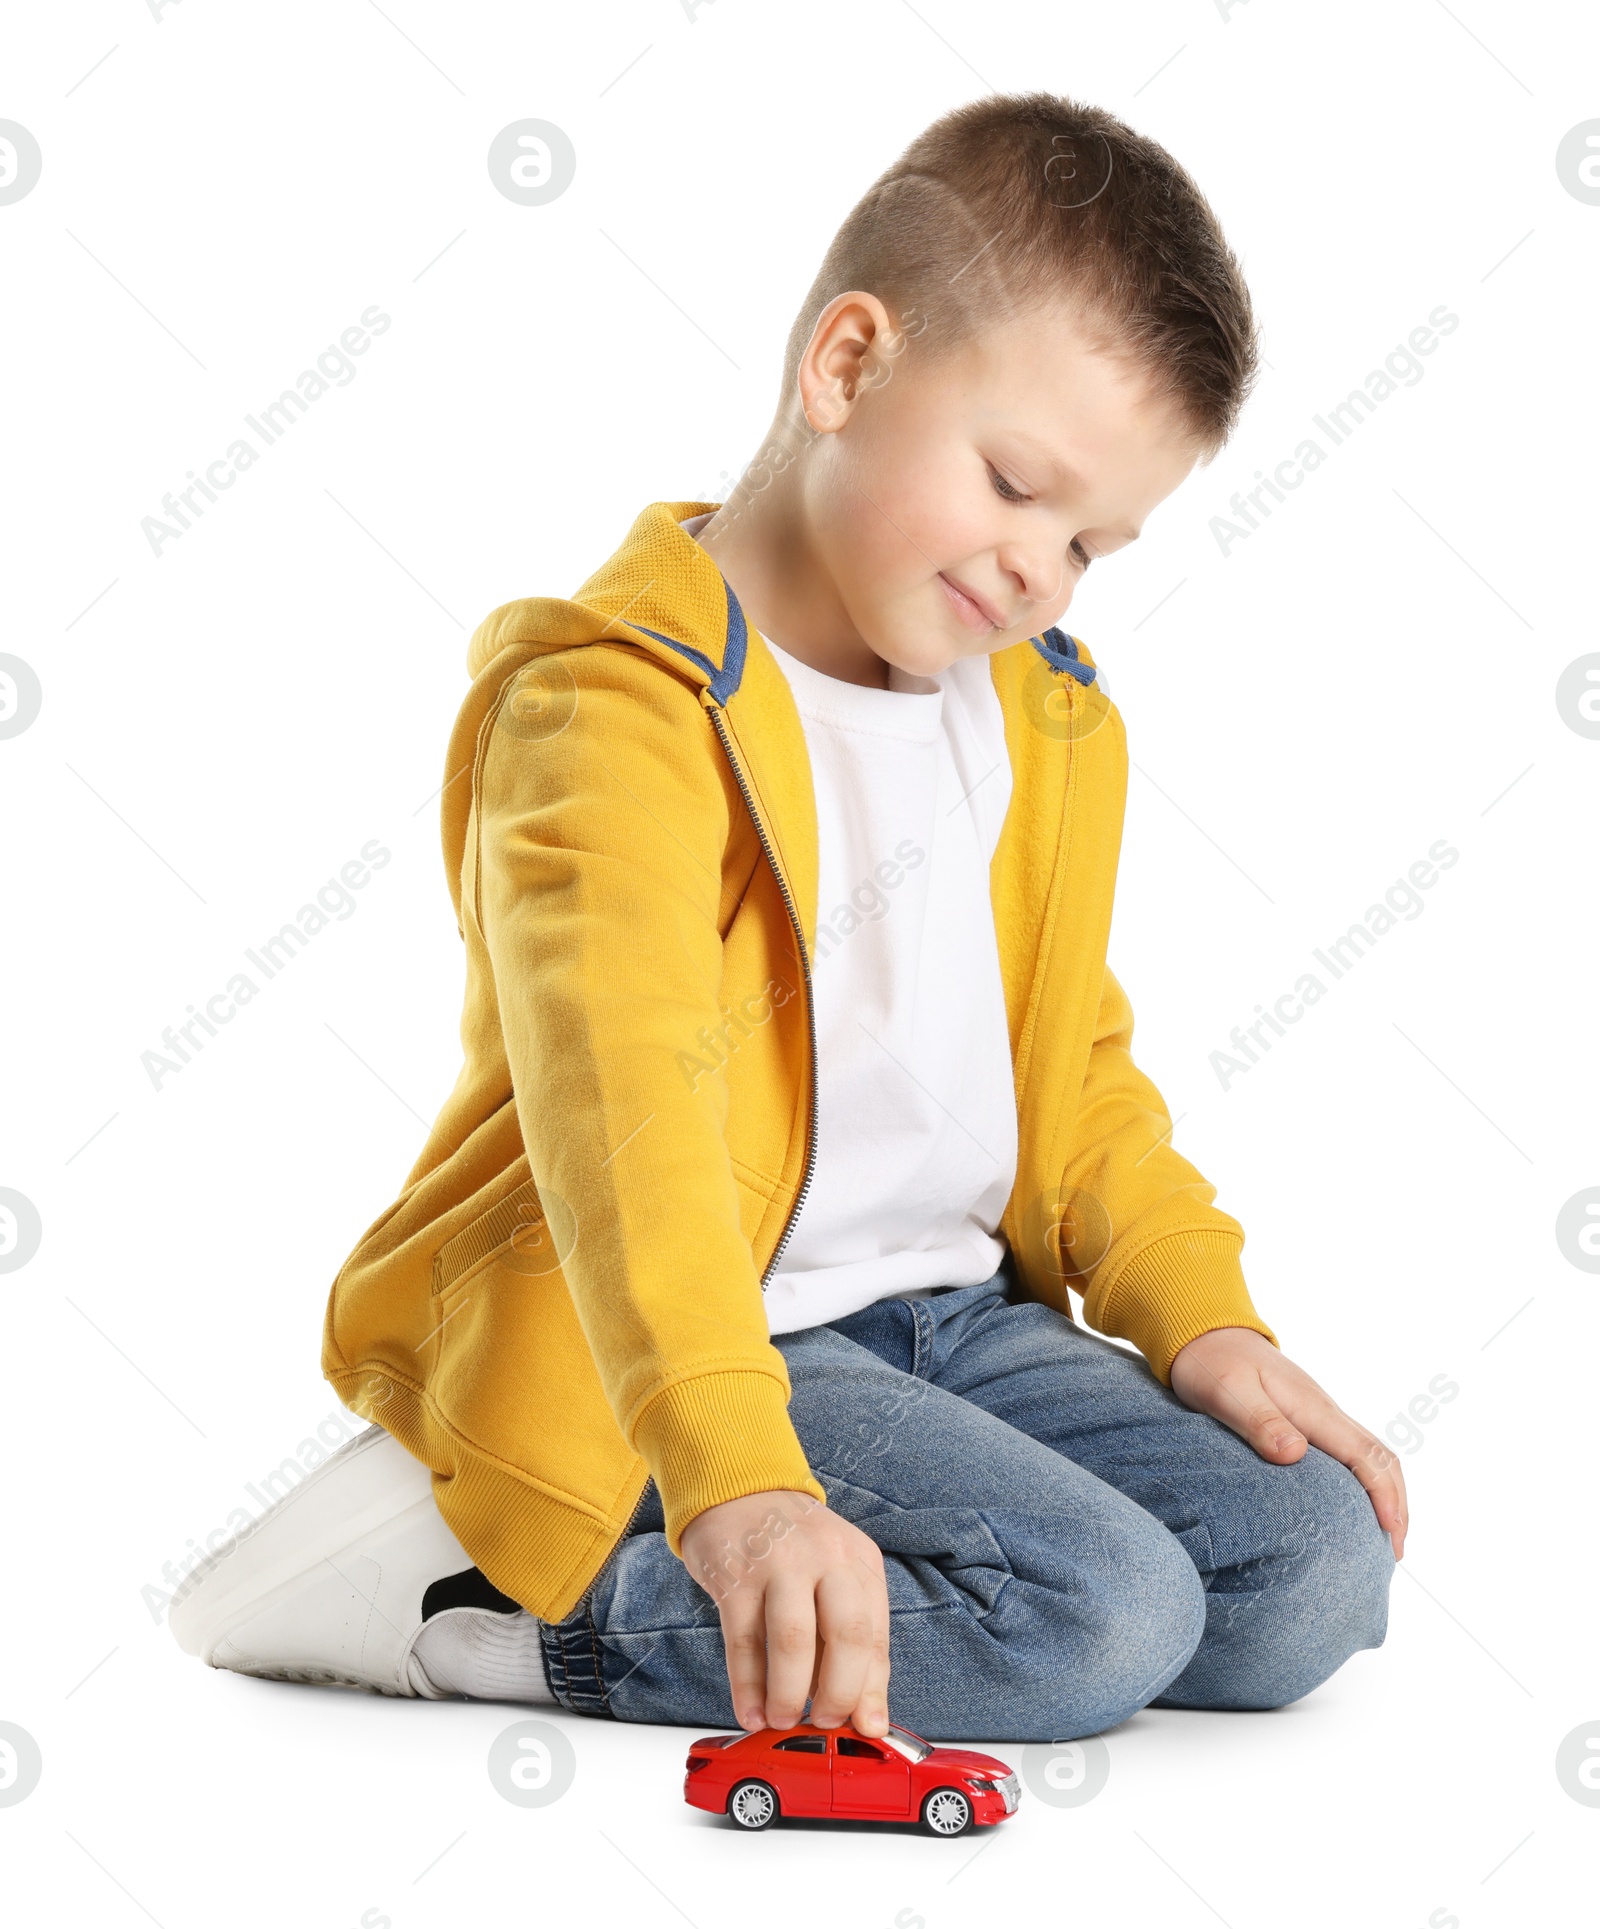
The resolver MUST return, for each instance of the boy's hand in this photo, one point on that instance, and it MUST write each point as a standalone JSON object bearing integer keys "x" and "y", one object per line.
{"x": 1240, "y": 1378}
{"x": 804, "y": 1609}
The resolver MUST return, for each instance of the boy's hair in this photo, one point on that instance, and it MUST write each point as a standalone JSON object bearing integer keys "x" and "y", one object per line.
{"x": 1012, "y": 203}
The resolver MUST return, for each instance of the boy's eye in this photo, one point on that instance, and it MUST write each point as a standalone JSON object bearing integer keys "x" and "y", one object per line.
{"x": 1004, "y": 488}
{"x": 1008, "y": 494}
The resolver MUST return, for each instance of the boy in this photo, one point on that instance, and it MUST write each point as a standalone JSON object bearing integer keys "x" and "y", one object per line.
{"x": 719, "y": 1344}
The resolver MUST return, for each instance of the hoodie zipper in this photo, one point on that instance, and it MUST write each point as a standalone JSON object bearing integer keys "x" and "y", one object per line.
{"x": 805, "y": 973}
{"x": 605, "y": 1566}
{"x": 811, "y": 1122}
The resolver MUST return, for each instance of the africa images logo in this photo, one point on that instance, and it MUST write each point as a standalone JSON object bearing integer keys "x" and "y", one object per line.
{"x": 182, "y": 507}
{"x": 1401, "y": 903}
{"x": 1401, "y": 368}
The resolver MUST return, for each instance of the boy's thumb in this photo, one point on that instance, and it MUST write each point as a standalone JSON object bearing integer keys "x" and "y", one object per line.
{"x": 1274, "y": 1437}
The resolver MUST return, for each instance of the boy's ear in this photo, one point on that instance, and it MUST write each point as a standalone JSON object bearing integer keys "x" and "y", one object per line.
{"x": 848, "y": 343}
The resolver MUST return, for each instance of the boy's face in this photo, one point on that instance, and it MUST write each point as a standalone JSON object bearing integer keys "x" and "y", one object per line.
{"x": 956, "y": 504}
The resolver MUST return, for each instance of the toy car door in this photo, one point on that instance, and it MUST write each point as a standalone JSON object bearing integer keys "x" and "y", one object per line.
{"x": 801, "y": 1773}
{"x": 869, "y": 1779}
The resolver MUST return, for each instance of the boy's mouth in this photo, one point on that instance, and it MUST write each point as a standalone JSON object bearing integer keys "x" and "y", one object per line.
{"x": 972, "y": 609}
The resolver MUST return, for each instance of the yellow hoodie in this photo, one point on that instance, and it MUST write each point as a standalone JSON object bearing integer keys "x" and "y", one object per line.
{"x": 566, "y": 1297}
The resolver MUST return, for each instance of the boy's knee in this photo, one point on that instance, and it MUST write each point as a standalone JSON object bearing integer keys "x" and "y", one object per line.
{"x": 1344, "y": 1557}
{"x": 1282, "y": 1625}
{"x": 1130, "y": 1630}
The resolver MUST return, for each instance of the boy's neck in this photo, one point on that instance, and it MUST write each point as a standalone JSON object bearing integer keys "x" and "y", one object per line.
{"x": 766, "y": 554}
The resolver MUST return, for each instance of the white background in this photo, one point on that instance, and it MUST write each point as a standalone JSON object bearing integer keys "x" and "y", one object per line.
{"x": 224, "y": 726}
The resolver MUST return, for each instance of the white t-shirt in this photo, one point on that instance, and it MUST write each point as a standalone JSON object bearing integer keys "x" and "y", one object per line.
{"x": 917, "y": 1122}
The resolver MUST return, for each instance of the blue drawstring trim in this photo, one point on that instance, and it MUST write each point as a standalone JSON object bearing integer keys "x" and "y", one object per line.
{"x": 726, "y": 680}
{"x": 1060, "y": 651}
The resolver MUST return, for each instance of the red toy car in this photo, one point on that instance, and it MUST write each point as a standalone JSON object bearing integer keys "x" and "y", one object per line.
{"x": 834, "y": 1771}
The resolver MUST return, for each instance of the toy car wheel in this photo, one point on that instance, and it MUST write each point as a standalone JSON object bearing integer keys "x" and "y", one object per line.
{"x": 753, "y": 1805}
{"x": 947, "y": 1812}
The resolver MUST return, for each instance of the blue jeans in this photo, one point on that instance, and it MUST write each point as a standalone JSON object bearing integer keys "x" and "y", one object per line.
{"x": 1064, "y": 1541}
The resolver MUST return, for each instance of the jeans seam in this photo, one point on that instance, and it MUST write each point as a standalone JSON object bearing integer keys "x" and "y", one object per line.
{"x": 594, "y": 1649}
{"x": 576, "y": 1641}
{"x": 921, "y": 1335}
{"x": 555, "y": 1672}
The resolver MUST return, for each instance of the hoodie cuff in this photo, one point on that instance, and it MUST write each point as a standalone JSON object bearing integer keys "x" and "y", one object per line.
{"x": 718, "y": 1437}
{"x": 1172, "y": 1291}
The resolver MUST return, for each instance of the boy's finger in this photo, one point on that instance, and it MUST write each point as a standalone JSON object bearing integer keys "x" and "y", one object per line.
{"x": 1376, "y": 1466}
{"x": 790, "y": 1616}
{"x": 744, "y": 1641}
{"x": 872, "y": 1710}
{"x": 844, "y": 1632}
{"x": 1273, "y": 1435}
{"x": 1241, "y": 1401}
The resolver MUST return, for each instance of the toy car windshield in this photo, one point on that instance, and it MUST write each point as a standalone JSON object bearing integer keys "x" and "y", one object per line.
{"x": 913, "y": 1747}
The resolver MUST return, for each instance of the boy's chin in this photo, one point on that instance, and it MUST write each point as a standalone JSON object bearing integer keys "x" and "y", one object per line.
{"x": 918, "y": 663}
{"x": 923, "y": 660}
{"x": 917, "y": 649}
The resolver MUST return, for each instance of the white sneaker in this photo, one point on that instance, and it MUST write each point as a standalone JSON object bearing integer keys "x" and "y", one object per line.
{"x": 338, "y": 1579}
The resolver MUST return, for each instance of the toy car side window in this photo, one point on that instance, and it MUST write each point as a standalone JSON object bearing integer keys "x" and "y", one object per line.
{"x": 848, "y": 1745}
{"x": 803, "y": 1745}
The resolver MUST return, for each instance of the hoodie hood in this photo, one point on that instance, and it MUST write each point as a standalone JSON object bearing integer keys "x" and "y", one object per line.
{"x": 660, "y": 590}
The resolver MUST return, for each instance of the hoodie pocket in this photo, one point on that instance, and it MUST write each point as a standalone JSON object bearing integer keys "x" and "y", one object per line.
{"x": 521, "y": 1230}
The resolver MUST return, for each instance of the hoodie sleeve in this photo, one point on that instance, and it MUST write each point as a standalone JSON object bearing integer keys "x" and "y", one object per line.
{"x": 602, "y": 817}
{"x": 1160, "y": 1261}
